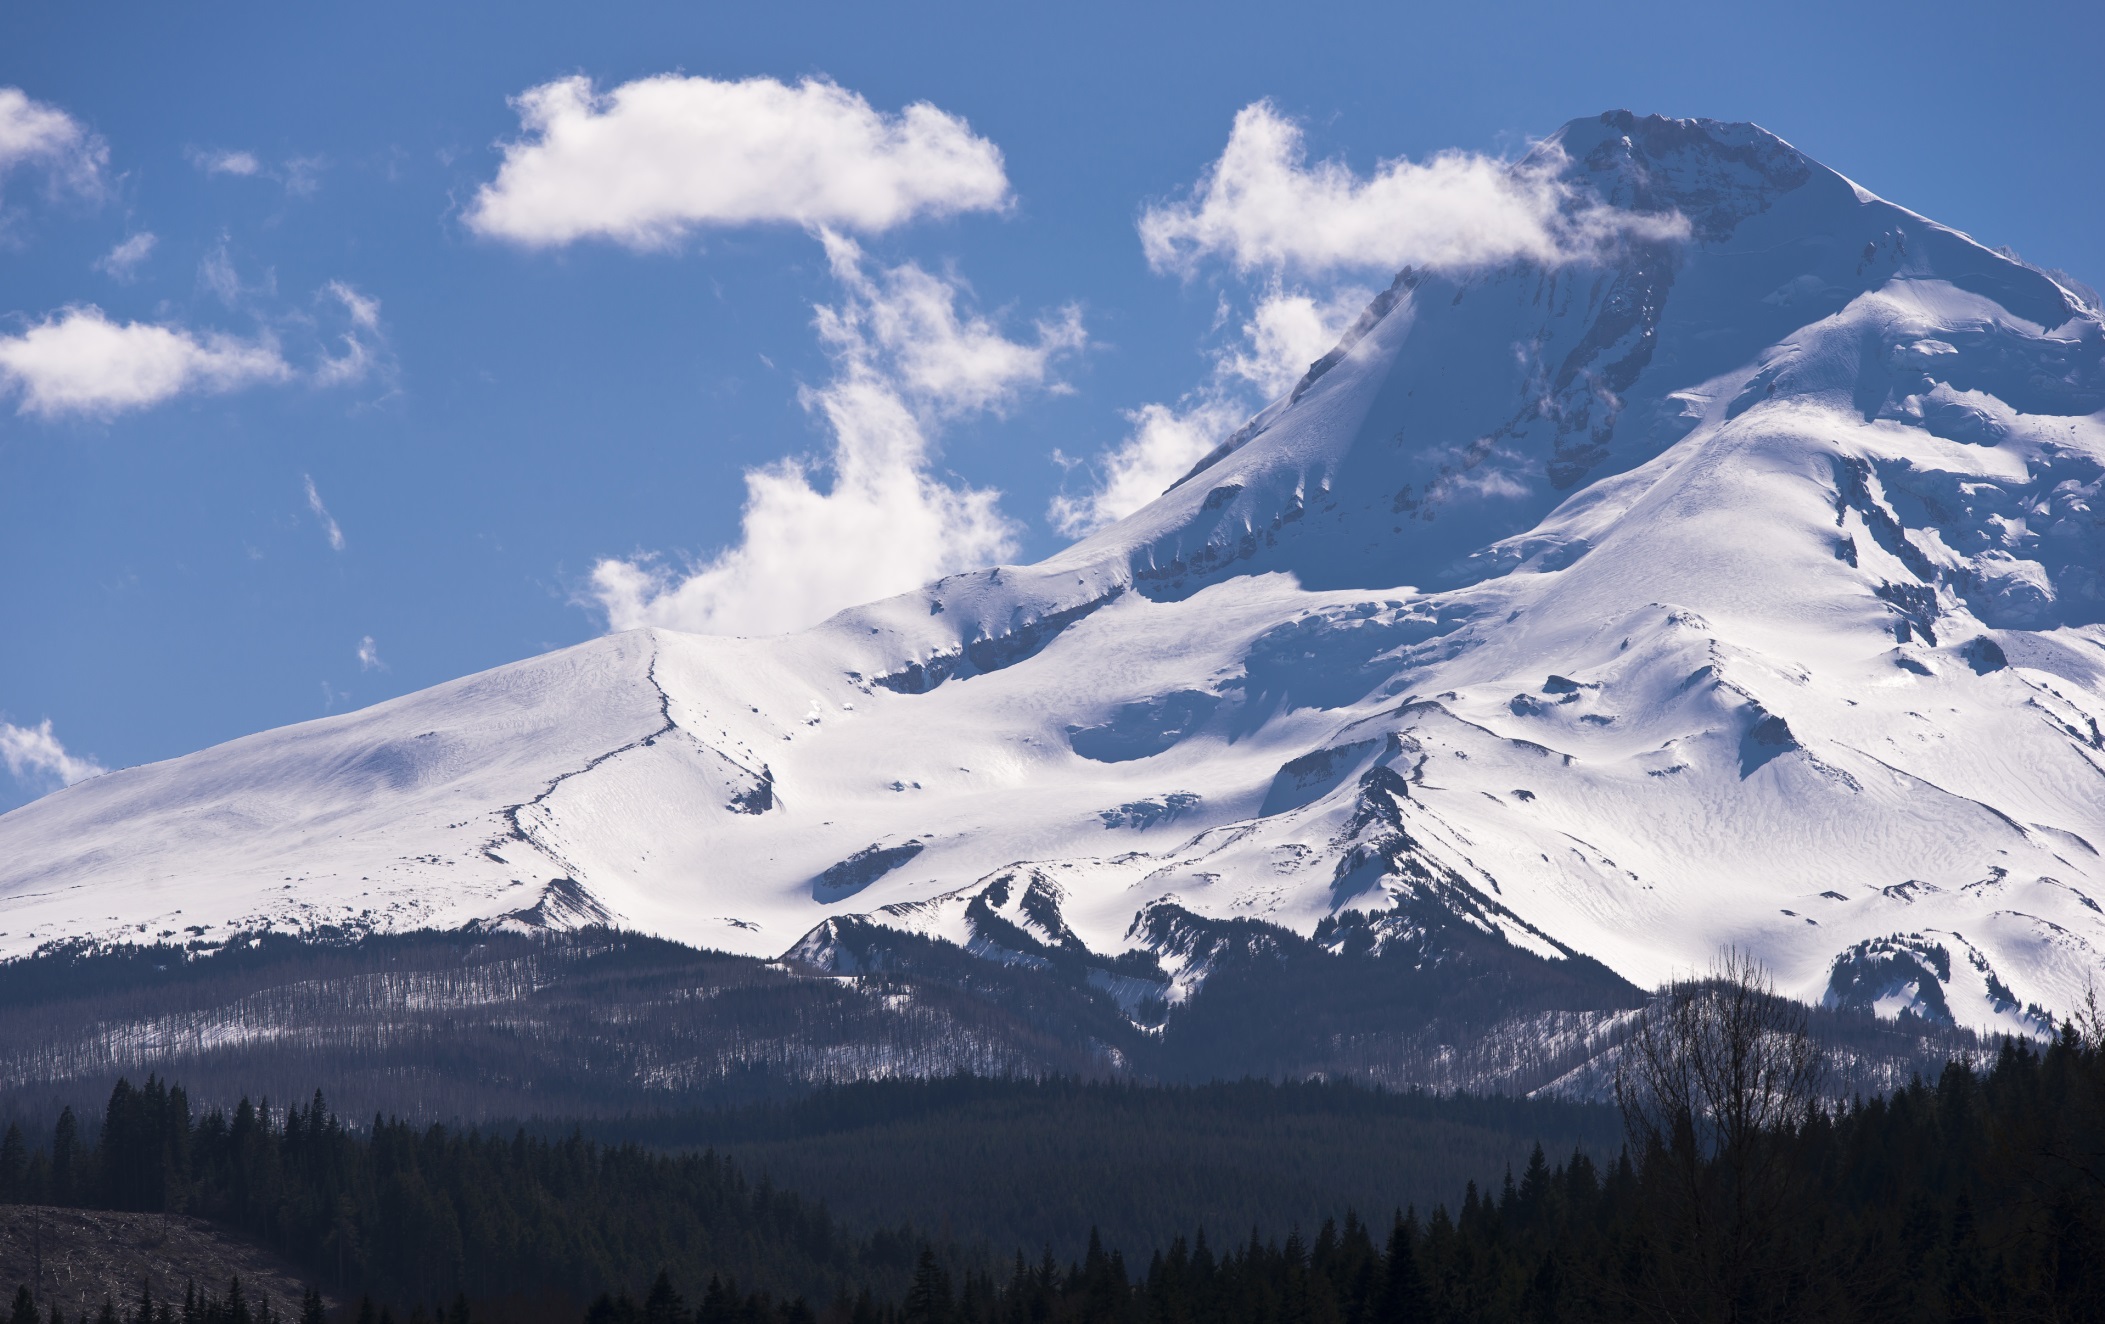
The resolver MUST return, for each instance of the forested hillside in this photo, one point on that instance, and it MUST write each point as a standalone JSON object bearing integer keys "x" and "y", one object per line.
{"x": 1740, "y": 1195}
{"x": 599, "y": 1023}
{"x": 1040, "y": 1163}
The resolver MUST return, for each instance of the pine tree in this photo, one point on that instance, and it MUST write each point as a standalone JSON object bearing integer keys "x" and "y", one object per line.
{"x": 1403, "y": 1296}
{"x": 928, "y": 1301}
{"x": 25, "y": 1311}
{"x": 719, "y": 1303}
{"x": 1534, "y": 1184}
{"x": 65, "y": 1152}
{"x": 663, "y": 1305}
{"x": 14, "y": 1166}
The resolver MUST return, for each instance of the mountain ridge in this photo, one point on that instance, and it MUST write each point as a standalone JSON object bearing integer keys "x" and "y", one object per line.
{"x": 1738, "y": 585}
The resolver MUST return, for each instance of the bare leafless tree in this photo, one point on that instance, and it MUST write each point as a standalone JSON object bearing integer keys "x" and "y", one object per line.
{"x": 1715, "y": 1079}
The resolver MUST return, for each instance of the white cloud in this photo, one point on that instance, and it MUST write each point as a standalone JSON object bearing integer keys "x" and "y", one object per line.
{"x": 1285, "y": 332}
{"x": 364, "y": 311}
{"x": 37, "y": 760}
{"x": 37, "y": 135}
{"x": 1163, "y": 445}
{"x": 78, "y": 361}
{"x": 223, "y": 161}
{"x": 1270, "y": 215}
{"x": 122, "y": 262}
{"x": 652, "y": 160}
{"x": 1288, "y": 330}
{"x": 364, "y": 345}
{"x": 904, "y": 326}
{"x": 300, "y": 176}
{"x": 905, "y": 360}
{"x": 1263, "y": 207}
{"x": 330, "y": 530}
{"x": 368, "y": 652}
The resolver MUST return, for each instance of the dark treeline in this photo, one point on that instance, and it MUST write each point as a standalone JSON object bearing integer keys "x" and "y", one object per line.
{"x": 1979, "y": 1197}
{"x": 196, "y": 1307}
{"x": 1739, "y": 1197}
{"x": 420, "y": 1214}
{"x": 1029, "y": 1163}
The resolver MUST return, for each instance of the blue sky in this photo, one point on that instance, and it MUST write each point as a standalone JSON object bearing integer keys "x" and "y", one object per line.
{"x": 403, "y": 385}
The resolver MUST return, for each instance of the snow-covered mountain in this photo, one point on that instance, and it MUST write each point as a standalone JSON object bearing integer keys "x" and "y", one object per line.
{"x": 1746, "y": 587}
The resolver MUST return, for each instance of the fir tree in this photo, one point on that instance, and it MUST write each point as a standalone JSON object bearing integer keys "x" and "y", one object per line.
{"x": 663, "y": 1305}
{"x": 1403, "y": 1299}
{"x": 928, "y": 1300}
{"x": 14, "y": 1166}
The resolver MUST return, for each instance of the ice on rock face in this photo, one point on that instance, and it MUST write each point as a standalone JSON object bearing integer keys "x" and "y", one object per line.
{"x": 1763, "y": 547}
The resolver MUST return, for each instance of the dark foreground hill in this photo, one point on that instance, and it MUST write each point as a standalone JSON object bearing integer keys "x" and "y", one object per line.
{"x": 76, "y": 1257}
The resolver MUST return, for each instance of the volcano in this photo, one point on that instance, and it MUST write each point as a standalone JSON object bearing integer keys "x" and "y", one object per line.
{"x": 1742, "y": 585}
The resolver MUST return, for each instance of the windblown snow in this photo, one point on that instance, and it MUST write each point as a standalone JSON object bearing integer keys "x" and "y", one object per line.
{"x": 1743, "y": 588}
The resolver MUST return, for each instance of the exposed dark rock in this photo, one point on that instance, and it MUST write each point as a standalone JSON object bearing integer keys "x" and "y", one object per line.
{"x": 861, "y": 869}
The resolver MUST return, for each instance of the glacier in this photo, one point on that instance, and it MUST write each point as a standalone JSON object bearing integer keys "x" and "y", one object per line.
{"x": 1741, "y": 586}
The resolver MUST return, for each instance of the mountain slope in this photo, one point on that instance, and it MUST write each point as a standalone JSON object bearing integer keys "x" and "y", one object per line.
{"x": 1742, "y": 587}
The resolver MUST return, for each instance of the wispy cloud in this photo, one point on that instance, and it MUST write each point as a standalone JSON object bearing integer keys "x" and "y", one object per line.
{"x": 37, "y": 760}
{"x": 299, "y": 176}
{"x": 218, "y": 276}
{"x": 906, "y": 358}
{"x": 658, "y": 158}
{"x": 122, "y": 263}
{"x": 369, "y": 653}
{"x": 334, "y": 534}
{"x": 364, "y": 343}
{"x": 1274, "y": 345}
{"x": 302, "y": 175}
{"x": 37, "y": 136}
{"x": 224, "y": 161}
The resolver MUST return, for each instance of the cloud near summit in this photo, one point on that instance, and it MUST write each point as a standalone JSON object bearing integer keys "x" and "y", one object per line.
{"x": 1300, "y": 238}
{"x": 1263, "y": 207}
{"x": 655, "y": 159}
{"x": 38, "y": 761}
{"x": 874, "y": 518}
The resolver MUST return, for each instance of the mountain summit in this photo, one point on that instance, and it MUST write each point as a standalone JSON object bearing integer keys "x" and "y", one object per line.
{"x": 1737, "y": 581}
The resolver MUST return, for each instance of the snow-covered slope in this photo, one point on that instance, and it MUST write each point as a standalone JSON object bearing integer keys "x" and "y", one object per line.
{"x": 1745, "y": 588}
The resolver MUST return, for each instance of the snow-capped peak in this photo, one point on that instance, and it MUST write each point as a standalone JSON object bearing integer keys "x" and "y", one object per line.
{"x": 1735, "y": 581}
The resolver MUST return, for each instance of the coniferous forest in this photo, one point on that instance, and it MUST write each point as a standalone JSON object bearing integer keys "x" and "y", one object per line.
{"x": 1740, "y": 1192}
